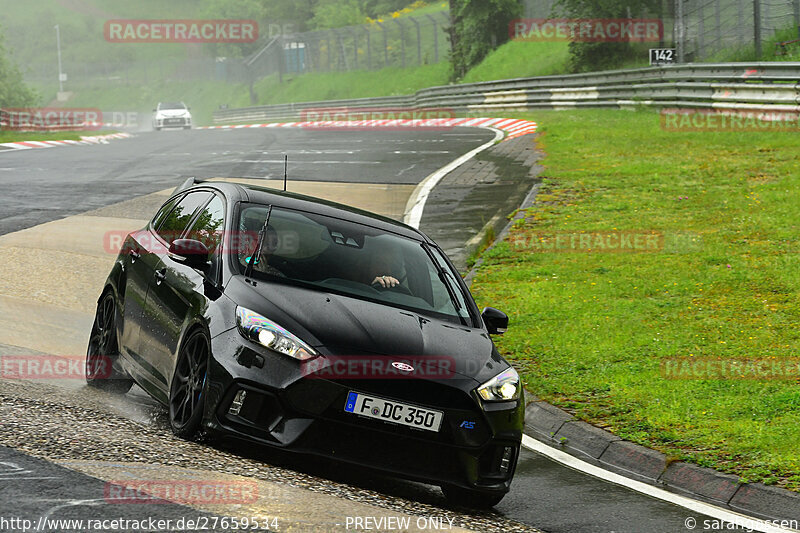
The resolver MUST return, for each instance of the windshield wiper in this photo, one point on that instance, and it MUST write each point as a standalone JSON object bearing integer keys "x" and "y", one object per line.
{"x": 259, "y": 242}
{"x": 443, "y": 277}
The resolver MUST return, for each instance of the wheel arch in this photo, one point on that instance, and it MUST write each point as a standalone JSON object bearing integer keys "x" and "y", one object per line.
{"x": 191, "y": 325}
{"x": 115, "y": 281}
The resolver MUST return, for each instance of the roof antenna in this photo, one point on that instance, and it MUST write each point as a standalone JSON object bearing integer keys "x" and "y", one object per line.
{"x": 285, "y": 164}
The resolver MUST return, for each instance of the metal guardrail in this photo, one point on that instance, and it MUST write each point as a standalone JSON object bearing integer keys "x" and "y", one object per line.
{"x": 774, "y": 86}
{"x": 279, "y": 111}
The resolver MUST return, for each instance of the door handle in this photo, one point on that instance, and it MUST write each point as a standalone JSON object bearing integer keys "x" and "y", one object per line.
{"x": 135, "y": 254}
{"x": 161, "y": 275}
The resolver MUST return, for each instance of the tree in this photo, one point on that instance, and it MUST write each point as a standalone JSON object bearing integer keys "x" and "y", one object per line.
{"x": 315, "y": 14}
{"x": 236, "y": 10}
{"x": 338, "y": 13}
{"x": 604, "y": 55}
{"x": 376, "y": 8}
{"x": 476, "y": 28}
{"x": 296, "y": 12}
{"x": 13, "y": 91}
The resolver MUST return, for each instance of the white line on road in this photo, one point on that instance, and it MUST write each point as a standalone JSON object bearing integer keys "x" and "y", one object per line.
{"x": 416, "y": 204}
{"x": 730, "y": 517}
{"x": 428, "y": 152}
{"x": 304, "y": 162}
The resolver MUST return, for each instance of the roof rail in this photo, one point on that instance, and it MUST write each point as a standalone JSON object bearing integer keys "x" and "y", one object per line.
{"x": 188, "y": 182}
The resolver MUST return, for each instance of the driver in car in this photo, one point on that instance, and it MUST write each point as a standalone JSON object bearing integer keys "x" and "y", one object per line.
{"x": 380, "y": 269}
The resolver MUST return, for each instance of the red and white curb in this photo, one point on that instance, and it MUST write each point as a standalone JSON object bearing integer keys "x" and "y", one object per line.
{"x": 512, "y": 128}
{"x": 97, "y": 139}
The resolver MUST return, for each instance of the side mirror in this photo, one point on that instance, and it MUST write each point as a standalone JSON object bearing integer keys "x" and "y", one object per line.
{"x": 496, "y": 321}
{"x": 190, "y": 252}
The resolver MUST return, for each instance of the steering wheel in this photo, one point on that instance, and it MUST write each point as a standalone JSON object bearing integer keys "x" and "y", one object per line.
{"x": 399, "y": 288}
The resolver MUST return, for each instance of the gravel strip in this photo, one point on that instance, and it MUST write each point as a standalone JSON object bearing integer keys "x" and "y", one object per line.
{"x": 57, "y": 424}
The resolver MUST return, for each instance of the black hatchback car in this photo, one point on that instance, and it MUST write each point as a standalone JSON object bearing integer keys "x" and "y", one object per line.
{"x": 314, "y": 327}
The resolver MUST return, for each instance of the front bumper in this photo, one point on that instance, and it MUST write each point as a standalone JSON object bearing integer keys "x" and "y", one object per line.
{"x": 176, "y": 122}
{"x": 474, "y": 448}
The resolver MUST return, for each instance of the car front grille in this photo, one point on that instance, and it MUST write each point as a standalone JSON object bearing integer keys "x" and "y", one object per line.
{"x": 394, "y": 452}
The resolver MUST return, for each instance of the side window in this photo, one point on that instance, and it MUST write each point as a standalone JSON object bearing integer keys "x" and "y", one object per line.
{"x": 208, "y": 226}
{"x": 163, "y": 212}
{"x": 450, "y": 280}
{"x": 176, "y": 221}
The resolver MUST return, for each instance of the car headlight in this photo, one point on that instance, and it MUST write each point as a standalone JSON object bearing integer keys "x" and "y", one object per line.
{"x": 501, "y": 388}
{"x": 270, "y": 335}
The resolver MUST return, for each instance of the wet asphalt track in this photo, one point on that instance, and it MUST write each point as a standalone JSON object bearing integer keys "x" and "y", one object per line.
{"x": 40, "y": 185}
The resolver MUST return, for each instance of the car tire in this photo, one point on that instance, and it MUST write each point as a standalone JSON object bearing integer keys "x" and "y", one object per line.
{"x": 102, "y": 368}
{"x": 471, "y": 499}
{"x": 187, "y": 127}
{"x": 187, "y": 392}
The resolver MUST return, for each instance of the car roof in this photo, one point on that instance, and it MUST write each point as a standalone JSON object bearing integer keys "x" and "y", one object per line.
{"x": 300, "y": 202}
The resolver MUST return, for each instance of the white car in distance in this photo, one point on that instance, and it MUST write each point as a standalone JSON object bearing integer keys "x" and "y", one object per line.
{"x": 172, "y": 115}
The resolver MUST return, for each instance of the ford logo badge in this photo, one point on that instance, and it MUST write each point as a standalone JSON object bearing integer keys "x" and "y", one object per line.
{"x": 403, "y": 367}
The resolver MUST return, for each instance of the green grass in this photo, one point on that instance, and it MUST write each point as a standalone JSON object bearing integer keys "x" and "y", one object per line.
{"x": 768, "y": 47}
{"x": 203, "y": 98}
{"x": 430, "y": 9}
{"x": 354, "y": 84}
{"x": 81, "y": 27}
{"x": 590, "y": 330}
{"x": 520, "y": 59}
{"x": 206, "y": 97}
{"x": 15, "y": 136}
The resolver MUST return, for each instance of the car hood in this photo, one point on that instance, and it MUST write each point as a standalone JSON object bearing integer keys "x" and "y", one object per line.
{"x": 172, "y": 113}
{"x": 349, "y": 327}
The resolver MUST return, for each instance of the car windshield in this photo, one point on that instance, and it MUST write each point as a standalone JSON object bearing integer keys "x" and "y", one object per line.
{"x": 350, "y": 259}
{"x": 171, "y": 106}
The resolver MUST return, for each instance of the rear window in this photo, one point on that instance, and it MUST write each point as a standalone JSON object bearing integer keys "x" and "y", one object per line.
{"x": 208, "y": 226}
{"x": 175, "y": 223}
{"x": 163, "y": 212}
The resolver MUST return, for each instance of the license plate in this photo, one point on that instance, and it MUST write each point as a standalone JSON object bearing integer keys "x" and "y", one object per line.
{"x": 392, "y": 411}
